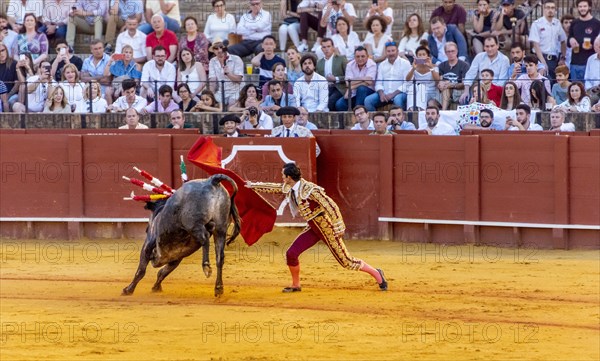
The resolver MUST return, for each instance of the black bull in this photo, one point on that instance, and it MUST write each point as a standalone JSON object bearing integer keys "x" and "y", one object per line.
{"x": 183, "y": 223}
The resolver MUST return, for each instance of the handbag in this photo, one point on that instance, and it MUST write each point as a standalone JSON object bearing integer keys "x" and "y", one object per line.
{"x": 290, "y": 20}
{"x": 234, "y": 38}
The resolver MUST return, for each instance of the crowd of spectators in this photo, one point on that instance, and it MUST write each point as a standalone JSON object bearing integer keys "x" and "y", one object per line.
{"x": 146, "y": 58}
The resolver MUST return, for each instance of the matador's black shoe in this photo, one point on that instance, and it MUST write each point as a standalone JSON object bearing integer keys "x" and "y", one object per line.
{"x": 291, "y": 289}
{"x": 383, "y": 285}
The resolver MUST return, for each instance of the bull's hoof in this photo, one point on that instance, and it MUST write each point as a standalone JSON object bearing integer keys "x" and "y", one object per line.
{"x": 126, "y": 292}
{"x": 207, "y": 270}
{"x": 157, "y": 288}
{"x": 218, "y": 291}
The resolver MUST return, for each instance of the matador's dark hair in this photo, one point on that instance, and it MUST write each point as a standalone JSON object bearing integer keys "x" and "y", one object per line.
{"x": 291, "y": 170}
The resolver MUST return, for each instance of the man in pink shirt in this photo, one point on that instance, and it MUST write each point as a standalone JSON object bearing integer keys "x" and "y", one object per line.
{"x": 525, "y": 80}
{"x": 165, "y": 103}
{"x": 360, "y": 77}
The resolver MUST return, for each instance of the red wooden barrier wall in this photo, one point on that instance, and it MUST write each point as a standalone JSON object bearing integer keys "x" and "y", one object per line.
{"x": 79, "y": 176}
{"x": 541, "y": 178}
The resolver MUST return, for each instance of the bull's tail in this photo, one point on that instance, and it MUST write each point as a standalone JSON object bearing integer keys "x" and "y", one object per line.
{"x": 233, "y": 211}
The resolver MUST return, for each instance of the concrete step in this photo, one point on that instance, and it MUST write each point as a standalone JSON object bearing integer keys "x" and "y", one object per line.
{"x": 402, "y": 9}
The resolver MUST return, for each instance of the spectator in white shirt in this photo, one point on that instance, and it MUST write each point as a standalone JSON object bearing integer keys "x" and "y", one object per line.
{"x": 592, "y": 69}
{"x": 523, "y": 121}
{"x": 134, "y": 38}
{"x": 225, "y": 73}
{"x": 254, "y": 25}
{"x": 361, "y": 118}
{"x": 38, "y": 88}
{"x": 381, "y": 8}
{"x": 434, "y": 127}
{"x": 157, "y": 70}
{"x": 118, "y": 13}
{"x": 577, "y": 100}
{"x": 345, "y": 41}
{"x": 72, "y": 84}
{"x": 549, "y": 39}
{"x": 557, "y": 121}
{"x": 129, "y": 98}
{"x": 311, "y": 89}
{"x": 414, "y": 32}
{"x": 389, "y": 87}
{"x": 423, "y": 77}
{"x": 57, "y": 102}
{"x": 93, "y": 102}
{"x": 219, "y": 24}
{"x": 331, "y": 12}
{"x": 376, "y": 39}
{"x": 7, "y": 36}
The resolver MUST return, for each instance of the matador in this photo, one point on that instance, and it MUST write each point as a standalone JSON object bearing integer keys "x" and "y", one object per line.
{"x": 325, "y": 223}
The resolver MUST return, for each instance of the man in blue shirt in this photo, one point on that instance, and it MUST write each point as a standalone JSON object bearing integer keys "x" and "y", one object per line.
{"x": 490, "y": 59}
{"x": 276, "y": 98}
{"x": 396, "y": 119}
{"x": 302, "y": 119}
{"x": 93, "y": 67}
{"x": 442, "y": 33}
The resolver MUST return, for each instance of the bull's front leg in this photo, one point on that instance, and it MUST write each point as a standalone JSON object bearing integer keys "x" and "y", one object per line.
{"x": 164, "y": 272}
{"x": 145, "y": 257}
{"x": 220, "y": 256}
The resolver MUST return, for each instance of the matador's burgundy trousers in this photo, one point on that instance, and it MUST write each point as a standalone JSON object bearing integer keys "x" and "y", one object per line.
{"x": 319, "y": 228}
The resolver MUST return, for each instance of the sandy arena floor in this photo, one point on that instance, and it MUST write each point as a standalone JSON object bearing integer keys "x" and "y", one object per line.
{"x": 61, "y": 300}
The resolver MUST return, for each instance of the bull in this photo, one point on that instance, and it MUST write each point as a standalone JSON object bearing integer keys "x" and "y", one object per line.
{"x": 183, "y": 223}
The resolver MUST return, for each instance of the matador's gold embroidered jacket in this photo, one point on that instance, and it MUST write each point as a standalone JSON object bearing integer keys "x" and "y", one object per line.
{"x": 312, "y": 201}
